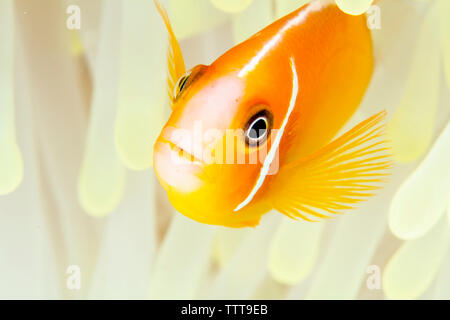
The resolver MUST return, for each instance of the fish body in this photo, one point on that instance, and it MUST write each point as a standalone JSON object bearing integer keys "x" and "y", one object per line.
{"x": 300, "y": 79}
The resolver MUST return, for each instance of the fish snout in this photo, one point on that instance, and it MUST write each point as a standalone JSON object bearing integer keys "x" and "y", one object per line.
{"x": 195, "y": 145}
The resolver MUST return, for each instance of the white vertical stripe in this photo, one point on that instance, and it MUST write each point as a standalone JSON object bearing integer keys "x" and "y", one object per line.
{"x": 271, "y": 155}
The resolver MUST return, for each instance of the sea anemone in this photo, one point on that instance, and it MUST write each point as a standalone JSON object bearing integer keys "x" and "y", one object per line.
{"x": 81, "y": 103}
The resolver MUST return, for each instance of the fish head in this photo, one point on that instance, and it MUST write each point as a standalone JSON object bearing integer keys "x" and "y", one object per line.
{"x": 211, "y": 150}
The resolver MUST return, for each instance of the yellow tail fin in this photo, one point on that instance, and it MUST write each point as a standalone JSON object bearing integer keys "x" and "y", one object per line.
{"x": 336, "y": 177}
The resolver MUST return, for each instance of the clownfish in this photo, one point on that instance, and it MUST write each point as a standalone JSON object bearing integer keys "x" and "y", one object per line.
{"x": 275, "y": 102}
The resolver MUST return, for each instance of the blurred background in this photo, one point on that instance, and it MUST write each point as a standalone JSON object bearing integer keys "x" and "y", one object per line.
{"x": 82, "y": 99}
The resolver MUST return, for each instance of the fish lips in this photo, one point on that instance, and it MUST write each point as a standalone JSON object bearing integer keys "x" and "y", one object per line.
{"x": 176, "y": 168}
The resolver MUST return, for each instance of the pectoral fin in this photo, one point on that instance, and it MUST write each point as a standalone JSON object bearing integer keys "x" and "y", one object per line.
{"x": 175, "y": 61}
{"x": 336, "y": 177}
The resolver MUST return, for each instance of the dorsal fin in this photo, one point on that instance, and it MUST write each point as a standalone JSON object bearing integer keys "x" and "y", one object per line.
{"x": 175, "y": 61}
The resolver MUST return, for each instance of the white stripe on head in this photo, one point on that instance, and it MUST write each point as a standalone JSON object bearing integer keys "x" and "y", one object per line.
{"x": 272, "y": 152}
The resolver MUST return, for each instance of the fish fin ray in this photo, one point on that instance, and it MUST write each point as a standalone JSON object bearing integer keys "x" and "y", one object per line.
{"x": 333, "y": 178}
{"x": 175, "y": 62}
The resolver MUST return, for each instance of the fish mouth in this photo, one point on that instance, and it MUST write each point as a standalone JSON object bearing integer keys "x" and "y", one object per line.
{"x": 176, "y": 169}
{"x": 181, "y": 153}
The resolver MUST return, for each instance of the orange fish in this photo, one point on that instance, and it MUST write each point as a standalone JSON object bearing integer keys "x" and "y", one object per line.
{"x": 253, "y": 131}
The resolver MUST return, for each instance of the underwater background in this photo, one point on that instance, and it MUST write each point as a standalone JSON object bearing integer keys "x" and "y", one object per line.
{"x": 82, "y": 215}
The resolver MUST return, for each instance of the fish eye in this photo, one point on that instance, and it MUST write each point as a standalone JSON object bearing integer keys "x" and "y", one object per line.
{"x": 257, "y": 128}
{"x": 181, "y": 84}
